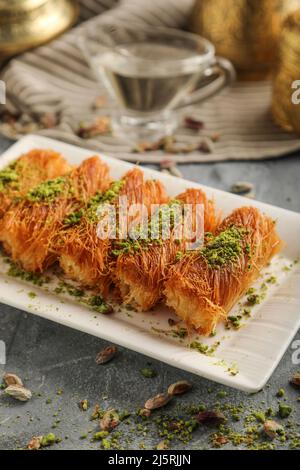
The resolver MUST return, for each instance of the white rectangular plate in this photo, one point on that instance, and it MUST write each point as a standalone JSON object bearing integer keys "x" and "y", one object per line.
{"x": 251, "y": 353}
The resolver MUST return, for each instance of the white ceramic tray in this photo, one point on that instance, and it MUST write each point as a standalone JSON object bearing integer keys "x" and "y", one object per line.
{"x": 251, "y": 353}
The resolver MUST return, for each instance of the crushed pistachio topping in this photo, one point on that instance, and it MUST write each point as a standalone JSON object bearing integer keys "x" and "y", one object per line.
{"x": 234, "y": 321}
{"x": 36, "y": 278}
{"x": 74, "y": 217}
{"x": 253, "y": 299}
{"x": 7, "y": 176}
{"x": 98, "y": 304}
{"x": 179, "y": 256}
{"x": 47, "y": 191}
{"x": 103, "y": 198}
{"x": 233, "y": 369}
{"x": 272, "y": 280}
{"x": 165, "y": 218}
{"x": 65, "y": 287}
{"x": 180, "y": 332}
{"x": 204, "y": 348}
{"x": 250, "y": 291}
{"x": 225, "y": 248}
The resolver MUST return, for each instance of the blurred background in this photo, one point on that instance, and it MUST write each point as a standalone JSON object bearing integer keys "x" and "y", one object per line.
{"x": 53, "y": 89}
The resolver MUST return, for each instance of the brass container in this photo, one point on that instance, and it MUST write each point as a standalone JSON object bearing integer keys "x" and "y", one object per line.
{"x": 286, "y": 89}
{"x": 244, "y": 31}
{"x": 28, "y": 23}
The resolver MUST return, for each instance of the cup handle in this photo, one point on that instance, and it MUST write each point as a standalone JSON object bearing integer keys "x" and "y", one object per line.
{"x": 214, "y": 79}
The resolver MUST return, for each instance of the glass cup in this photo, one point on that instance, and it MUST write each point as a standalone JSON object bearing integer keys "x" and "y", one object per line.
{"x": 151, "y": 72}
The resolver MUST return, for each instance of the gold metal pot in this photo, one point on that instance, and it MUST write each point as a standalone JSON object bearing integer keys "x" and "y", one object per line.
{"x": 244, "y": 31}
{"x": 28, "y": 23}
{"x": 286, "y": 87}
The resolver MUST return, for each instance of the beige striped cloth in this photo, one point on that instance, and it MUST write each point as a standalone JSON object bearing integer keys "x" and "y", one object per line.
{"x": 56, "y": 79}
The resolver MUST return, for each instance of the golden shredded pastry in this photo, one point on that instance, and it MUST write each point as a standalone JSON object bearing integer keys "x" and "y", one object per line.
{"x": 51, "y": 211}
{"x": 85, "y": 257}
{"x": 29, "y": 228}
{"x": 140, "y": 271}
{"x": 204, "y": 285}
{"x": 17, "y": 178}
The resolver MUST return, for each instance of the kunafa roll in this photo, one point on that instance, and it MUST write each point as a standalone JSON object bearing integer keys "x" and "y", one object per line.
{"x": 84, "y": 256}
{"x": 205, "y": 284}
{"x": 17, "y": 178}
{"x": 142, "y": 265}
{"x": 29, "y": 228}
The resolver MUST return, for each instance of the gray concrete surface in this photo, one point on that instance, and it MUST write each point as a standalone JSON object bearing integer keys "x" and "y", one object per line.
{"x": 51, "y": 357}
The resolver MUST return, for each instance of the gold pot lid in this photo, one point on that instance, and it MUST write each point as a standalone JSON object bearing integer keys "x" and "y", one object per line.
{"x": 28, "y": 23}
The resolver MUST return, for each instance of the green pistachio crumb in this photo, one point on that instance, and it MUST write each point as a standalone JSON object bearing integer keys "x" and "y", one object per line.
{"x": 225, "y": 248}
{"x": 233, "y": 369}
{"x": 99, "y": 305}
{"x": 253, "y": 299}
{"x": 8, "y": 175}
{"x": 148, "y": 372}
{"x": 180, "y": 333}
{"x": 106, "y": 444}
{"x": 272, "y": 280}
{"x": 201, "y": 348}
{"x": 165, "y": 218}
{"x": 83, "y": 405}
{"x": 179, "y": 256}
{"x": 250, "y": 291}
{"x": 47, "y": 191}
{"x": 73, "y": 218}
{"x": 234, "y": 321}
{"x": 124, "y": 415}
{"x": 222, "y": 394}
{"x": 247, "y": 311}
{"x": 103, "y": 198}
{"x": 98, "y": 436}
{"x": 31, "y": 295}
{"x": 49, "y": 440}
{"x": 260, "y": 416}
{"x": 204, "y": 348}
{"x": 284, "y": 410}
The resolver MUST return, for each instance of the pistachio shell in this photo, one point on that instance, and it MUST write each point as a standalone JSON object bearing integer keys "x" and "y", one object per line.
{"x": 12, "y": 379}
{"x": 272, "y": 428}
{"x": 242, "y": 187}
{"x": 296, "y": 379}
{"x": 19, "y": 393}
{"x": 145, "y": 413}
{"x": 35, "y": 443}
{"x": 110, "y": 420}
{"x": 106, "y": 355}
{"x": 163, "y": 445}
{"x": 96, "y": 412}
{"x": 160, "y": 400}
{"x": 179, "y": 388}
{"x": 211, "y": 417}
{"x": 83, "y": 405}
